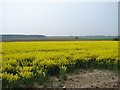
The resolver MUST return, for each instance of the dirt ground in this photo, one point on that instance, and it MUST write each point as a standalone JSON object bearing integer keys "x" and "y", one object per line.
{"x": 86, "y": 79}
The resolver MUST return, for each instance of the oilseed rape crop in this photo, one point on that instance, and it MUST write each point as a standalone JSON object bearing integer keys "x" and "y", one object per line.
{"x": 25, "y": 62}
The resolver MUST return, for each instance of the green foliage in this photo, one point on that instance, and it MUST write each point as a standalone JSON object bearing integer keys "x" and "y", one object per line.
{"x": 116, "y": 39}
{"x": 62, "y": 75}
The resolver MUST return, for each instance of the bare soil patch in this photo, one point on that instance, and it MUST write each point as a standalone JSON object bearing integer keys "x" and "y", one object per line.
{"x": 85, "y": 79}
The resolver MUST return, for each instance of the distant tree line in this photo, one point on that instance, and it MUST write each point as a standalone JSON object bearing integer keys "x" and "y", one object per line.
{"x": 23, "y": 36}
{"x": 116, "y": 39}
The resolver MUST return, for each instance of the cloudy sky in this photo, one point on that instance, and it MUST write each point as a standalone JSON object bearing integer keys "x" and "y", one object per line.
{"x": 59, "y": 18}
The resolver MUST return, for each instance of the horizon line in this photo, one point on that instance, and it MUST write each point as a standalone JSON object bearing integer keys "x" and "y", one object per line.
{"x": 52, "y": 35}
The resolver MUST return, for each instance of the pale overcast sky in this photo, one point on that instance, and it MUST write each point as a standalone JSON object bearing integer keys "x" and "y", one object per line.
{"x": 60, "y": 18}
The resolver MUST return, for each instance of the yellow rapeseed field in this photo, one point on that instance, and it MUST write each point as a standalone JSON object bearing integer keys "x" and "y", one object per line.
{"x": 22, "y": 61}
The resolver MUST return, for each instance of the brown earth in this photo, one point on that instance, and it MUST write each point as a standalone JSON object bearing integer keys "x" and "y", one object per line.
{"x": 85, "y": 79}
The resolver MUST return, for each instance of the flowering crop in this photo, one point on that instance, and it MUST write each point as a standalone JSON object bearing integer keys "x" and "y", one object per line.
{"x": 25, "y": 60}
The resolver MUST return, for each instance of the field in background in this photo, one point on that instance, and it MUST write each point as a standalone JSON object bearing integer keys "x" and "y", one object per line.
{"x": 10, "y": 38}
{"x": 24, "y": 63}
